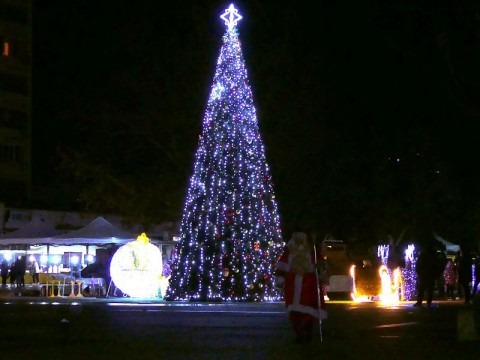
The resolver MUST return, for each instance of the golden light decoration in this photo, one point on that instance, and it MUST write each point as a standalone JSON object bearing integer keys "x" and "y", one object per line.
{"x": 136, "y": 268}
{"x": 390, "y": 287}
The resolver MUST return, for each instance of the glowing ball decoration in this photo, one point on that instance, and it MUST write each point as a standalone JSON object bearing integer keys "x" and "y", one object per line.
{"x": 136, "y": 268}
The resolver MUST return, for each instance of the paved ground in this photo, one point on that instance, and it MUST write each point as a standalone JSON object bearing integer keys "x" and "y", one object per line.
{"x": 112, "y": 328}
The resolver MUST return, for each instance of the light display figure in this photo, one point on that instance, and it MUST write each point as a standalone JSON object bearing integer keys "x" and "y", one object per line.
{"x": 136, "y": 268}
{"x": 391, "y": 279}
{"x": 230, "y": 229}
{"x": 409, "y": 273}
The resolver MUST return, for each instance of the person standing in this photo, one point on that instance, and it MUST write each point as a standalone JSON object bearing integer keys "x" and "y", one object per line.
{"x": 450, "y": 279}
{"x": 297, "y": 267}
{"x": 4, "y": 272}
{"x": 21, "y": 268}
{"x": 426, "y": 268}
{"x": 35, "y": 272}
{"x": 13, "y": 274}
{"x": 465, "y": 273}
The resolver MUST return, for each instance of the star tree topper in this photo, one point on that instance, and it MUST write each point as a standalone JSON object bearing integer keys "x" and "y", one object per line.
{"x": 231, "y": 17}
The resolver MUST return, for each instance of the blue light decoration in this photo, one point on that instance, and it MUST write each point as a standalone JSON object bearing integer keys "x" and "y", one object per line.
{"x": 230, "y": 229}
{"x": 409, "y": 274}
{"x": 383, "y": 252}
{"x": 473, "y": 274}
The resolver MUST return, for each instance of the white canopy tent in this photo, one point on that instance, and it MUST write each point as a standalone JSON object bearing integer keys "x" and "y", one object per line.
{"x": 448, "y": 245}
{"x": 98, "y": 232}
{"x": 41, "y": 238}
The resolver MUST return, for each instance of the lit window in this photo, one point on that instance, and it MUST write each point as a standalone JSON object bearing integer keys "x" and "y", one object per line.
{"x": 5, "y": 51}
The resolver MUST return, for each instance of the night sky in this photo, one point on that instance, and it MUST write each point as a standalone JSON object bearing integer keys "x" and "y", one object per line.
{"x": 369, "y": 111}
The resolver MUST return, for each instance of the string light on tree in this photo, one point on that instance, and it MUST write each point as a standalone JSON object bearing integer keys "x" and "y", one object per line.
{"x": 230, "y": 229}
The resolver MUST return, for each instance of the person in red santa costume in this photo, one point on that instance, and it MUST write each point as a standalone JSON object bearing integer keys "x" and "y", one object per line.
{"x": 296, "y": 268}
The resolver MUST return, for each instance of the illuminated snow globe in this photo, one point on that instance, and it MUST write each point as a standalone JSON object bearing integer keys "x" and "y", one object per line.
{"x": 136, "y": 268}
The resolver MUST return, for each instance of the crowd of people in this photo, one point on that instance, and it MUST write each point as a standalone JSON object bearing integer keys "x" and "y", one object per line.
{"x": 14, "y": 273}
{"x": 455, "y": 277}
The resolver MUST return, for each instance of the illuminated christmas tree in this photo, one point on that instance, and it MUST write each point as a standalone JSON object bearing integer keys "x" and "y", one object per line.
{"x": 230, "y": 229}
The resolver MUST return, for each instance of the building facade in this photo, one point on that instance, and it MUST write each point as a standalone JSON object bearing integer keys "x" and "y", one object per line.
{"x": 15, "y": 101}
